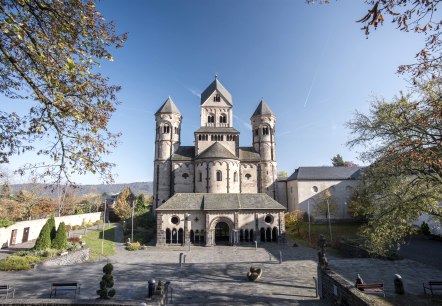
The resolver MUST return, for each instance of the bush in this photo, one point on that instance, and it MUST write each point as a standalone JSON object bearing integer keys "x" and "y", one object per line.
{"x": 425, "y": 229}
{"x": 50, "y": 253}
{"x": 107, "y": 282}
{"x": 53, "y": 229}
{"x": 60, "y": 239}
{"x": 74, "y": 240}
{"x": 17, "y": 263}
{"x": 44, "y": 238}
{"x": 6, "y": 222}
{"x": 22, "y": 253}
{"x": 133, "y": 246}
{"x": 68, "y": 227}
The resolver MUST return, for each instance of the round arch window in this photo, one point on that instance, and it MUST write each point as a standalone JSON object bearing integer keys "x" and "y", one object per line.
{"x": 315, "y": 188}
{"x": 175, "y": 220}
{"x": 268, "y": 219}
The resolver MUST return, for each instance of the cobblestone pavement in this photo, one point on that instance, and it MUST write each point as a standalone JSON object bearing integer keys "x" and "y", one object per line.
{"x": 211, "y": 275}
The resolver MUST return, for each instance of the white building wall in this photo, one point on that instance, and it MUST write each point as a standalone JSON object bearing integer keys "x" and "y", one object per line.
{"x": 35, "y": 226}
{"x": 309, "y": 192}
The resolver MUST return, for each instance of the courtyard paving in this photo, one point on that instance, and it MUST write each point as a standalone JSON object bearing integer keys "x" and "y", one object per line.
{"x": 217, "y": 275}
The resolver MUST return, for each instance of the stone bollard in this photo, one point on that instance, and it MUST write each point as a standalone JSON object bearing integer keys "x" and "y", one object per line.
{"x": 398, "y": 284}
{"x": 280, "y": 257}
{"x": 181, "y": 259}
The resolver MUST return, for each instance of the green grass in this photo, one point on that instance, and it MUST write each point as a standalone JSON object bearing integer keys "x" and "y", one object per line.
{"x": 93, "y": 242}
{"x": 346, "y": 231}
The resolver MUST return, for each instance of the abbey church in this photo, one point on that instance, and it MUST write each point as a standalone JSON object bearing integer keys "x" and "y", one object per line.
{"x": 216, "y": 192}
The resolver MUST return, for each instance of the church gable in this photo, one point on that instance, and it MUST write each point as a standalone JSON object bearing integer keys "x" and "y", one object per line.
{"x": 216, "y": 99}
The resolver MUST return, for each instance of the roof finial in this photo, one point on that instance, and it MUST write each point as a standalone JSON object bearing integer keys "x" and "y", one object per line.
{"x": 216, "y": 76}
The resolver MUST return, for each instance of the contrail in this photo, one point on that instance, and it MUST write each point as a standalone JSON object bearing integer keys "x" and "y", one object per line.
{"x": 316, "y": 71}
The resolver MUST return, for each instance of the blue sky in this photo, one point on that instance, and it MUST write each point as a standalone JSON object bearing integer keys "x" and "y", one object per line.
{"x": 311, "y": 63}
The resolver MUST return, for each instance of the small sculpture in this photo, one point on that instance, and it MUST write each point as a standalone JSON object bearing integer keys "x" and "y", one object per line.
{"x": 254, "y": 274}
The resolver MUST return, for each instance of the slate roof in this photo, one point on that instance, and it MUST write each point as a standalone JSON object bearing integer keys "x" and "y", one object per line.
{"x": 220, "y": 201}
{"x": 168, "y": 107}
{"x": 184, "y": 153}
{"x": 217, "y": 150}
{"x": 248, "y": 154}
{"x": 216, "y": 85}
{"x": 263, "y": 109}
{"x": 213, "y": 129}
{"x": 325, "y": 173}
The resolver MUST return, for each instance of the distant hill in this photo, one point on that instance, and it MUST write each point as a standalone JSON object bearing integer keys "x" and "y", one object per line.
{"x": 138, "y": 187}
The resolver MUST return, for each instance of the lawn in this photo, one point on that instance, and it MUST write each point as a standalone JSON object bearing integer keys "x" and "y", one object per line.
{"x": 346, "y": 231}
{"x": 93, "y": 241}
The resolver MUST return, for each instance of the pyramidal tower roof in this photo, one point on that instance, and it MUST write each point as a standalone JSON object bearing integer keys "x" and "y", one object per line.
{"x": 216, "y": 85}
{"x": 168, "y": 107}
{"x": 263, "y": 110}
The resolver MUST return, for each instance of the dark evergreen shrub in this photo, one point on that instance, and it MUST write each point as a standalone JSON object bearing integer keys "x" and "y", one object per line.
{"x": 43, "y": 241}
{"x": 107, "y": 282}
{"x": 60, "y": 240}
{"x": 52, "y": 228}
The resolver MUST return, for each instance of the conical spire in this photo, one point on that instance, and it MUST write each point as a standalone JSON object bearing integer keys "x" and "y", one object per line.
{"x": 216, "y": 85}
{"x": 263, "y": 110}
{"x": 168, "y": 108}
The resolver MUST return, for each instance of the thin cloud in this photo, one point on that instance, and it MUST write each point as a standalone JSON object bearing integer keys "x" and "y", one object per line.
{"x": 244, "y": 123}
{"x": 194, "y": 92}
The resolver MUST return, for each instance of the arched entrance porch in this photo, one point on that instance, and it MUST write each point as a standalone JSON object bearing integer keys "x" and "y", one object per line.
{"x": 221, "y": 232}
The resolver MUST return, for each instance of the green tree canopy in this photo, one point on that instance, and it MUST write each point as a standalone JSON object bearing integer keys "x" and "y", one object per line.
{"x": 123, "y": 204}
{"x": 338, "y": 161}
{"x": 402, "y": 140}
{"x": 60, "y": 241}
{"x": 50, "y": 54}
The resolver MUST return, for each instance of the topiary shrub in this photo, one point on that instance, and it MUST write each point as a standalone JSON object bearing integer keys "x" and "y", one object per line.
{"x": 44, "y": 238}
{"x": 60, "y": 239}
{"x": 107, "y": 282}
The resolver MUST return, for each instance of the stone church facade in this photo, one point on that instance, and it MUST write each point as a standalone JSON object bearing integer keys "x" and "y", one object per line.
{"x": 216, "y": 192}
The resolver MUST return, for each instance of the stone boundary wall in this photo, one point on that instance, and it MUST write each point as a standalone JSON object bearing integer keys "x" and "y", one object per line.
{"x": 71, "y": 258}
{"x": 36, "y": 225}
{"x": 63, "y": 302}
{"x": 333, "y": 288}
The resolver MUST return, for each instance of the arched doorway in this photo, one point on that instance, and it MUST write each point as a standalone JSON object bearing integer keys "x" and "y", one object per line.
{"x": 222, "y": 233}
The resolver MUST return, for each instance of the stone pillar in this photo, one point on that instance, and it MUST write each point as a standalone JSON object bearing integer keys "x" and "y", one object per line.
{"x": 161, "y": 239}
{"x": 187, "y": 228}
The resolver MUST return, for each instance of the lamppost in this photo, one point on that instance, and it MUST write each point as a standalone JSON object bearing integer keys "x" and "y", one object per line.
{"x": 104, "y": 223}
{"x": 132, "y": 233}
{"x": 308, "y": 212}
{"x": 329, "y": 224}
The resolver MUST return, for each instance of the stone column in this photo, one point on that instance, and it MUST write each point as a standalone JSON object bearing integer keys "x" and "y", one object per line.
{"x": 161, "y": 239}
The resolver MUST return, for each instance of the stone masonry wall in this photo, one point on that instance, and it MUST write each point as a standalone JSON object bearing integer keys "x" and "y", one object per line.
{"x": 71, "y": 258}
{"x": 334, "y": 288}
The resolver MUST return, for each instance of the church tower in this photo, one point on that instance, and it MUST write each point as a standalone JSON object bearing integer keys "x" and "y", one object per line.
{"x": 263, "y": 126}
{"x": 167, "y": 140}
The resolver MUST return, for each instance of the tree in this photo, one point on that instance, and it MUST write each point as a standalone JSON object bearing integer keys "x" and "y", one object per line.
{"x": 418, "y": 16}
{"x": 282, "y": 173}
{"x": 5, "y": 190}
{"x": 140, "y": 203}
{"x": 123, "y": 204}
{"x": 326, "y": 205}
{"x": 338, "y": 161}
{"x": 403, "y": 141}
{"x": 50, "y": 52}
{"x": 60, "y": 241}
{"x": 52, "y": 228}
{"x": 294, "y": 220}
{"x": 43, "y": 241}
